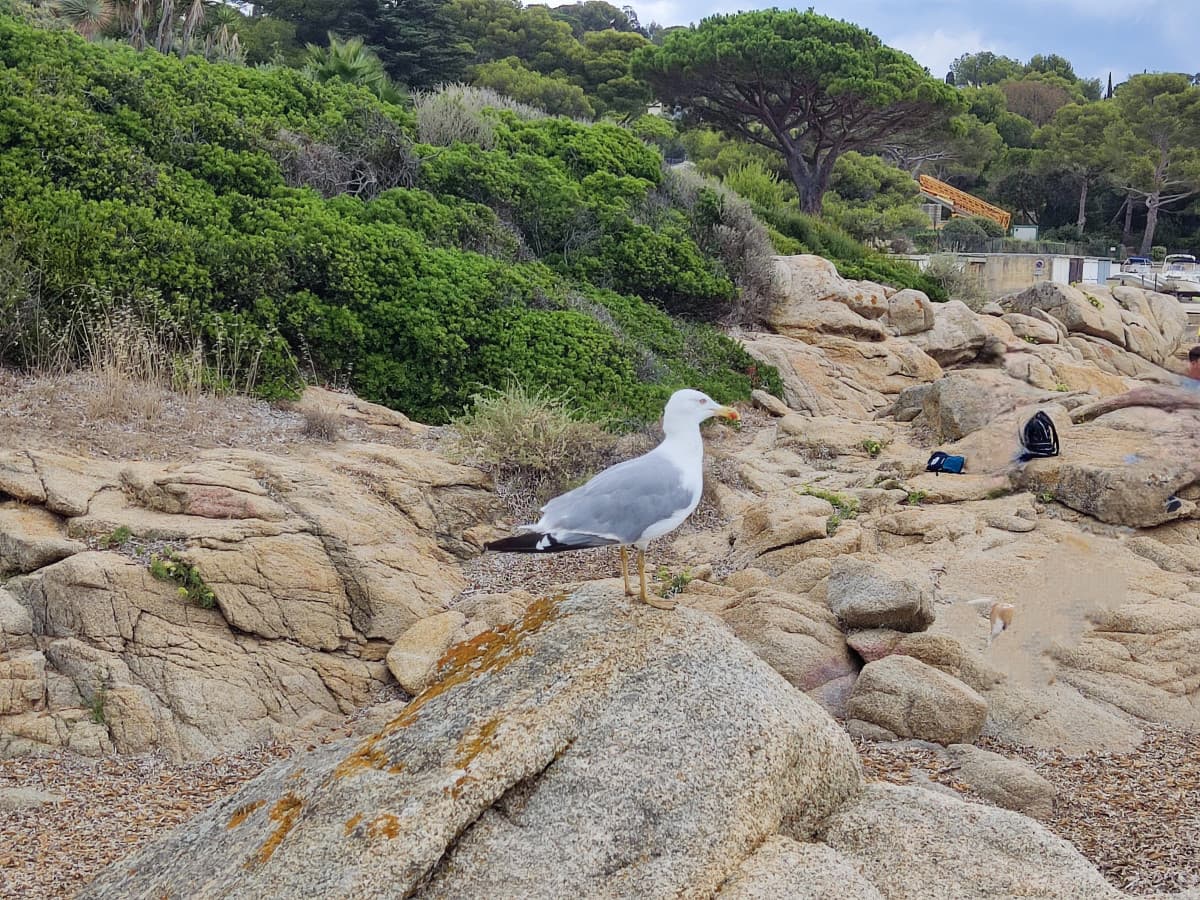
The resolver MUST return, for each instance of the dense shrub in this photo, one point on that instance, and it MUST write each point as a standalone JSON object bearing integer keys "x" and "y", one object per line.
{"x": 306, "y": 219}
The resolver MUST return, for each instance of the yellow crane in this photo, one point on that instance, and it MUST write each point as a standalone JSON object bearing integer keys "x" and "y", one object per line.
{"x": 961, "y": 203}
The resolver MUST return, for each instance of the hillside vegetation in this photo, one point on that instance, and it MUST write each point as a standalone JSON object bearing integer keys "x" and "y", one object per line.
{"x": 304, "y": 227}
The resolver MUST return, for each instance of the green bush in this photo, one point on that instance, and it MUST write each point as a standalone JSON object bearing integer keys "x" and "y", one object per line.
{"x": 962, "y": 232}
{"x": 266, "y": 209}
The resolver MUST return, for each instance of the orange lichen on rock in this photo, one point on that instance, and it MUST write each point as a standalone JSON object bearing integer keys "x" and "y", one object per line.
{"x": 285, "y": 812}
{"x": 242, "y": 813}
{"x": 368, "y": 756}
{"x": 471, "y": 747}
{"x": 490, "y": 651}
{"x": 383, "y": 825}
{"x": 352, "y": 823}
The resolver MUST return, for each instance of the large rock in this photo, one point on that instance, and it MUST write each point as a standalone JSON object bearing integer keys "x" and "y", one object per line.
{"x": 815, "y": 300}
{"x": 833, "y": 435}
{"x": 1142, "y": 659}
{"x": 167, "y": 674}
{"x": 880, "y": 593}
{"x": 957, "y": 335}
{"x": 1032, "y": 329}
{"x": 596, "y": 748}
{"x": 1162, "y": 315}
{"x": 1092, "y": 311}
{"x": 31, "y": 537}
{"x": 909, "y": 312}
{"x": 812, "y": 382}
{"x": 781, "y": 522}
{"x": 316, "y": 562}
{"x": 806, "y": 319}
{"x": 806, "y": 277}
{"x": 799, "y": 638}
{"x": 1118, "y": 475}
{"x": 1009, "y": 783}
{"x": 911, "y": 842}
{"x": 887, "y": 367}
{"x": 958, "y": 404}
{"x": 902, "y": 697}
{"x": 413, "y": 658}
{"x": 783, "y": 868}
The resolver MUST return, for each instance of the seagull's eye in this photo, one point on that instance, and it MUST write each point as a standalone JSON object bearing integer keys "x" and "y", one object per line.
{"x": 702, "y": 401}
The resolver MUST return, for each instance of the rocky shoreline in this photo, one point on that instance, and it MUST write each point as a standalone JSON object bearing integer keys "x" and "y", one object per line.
{"x": 823, "y": 548}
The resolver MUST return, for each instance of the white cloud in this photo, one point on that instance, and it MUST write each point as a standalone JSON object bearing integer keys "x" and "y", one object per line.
{"x": 938, "y": 48}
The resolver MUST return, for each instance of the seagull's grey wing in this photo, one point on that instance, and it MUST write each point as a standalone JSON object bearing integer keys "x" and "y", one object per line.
{"x": 621, "y": 502}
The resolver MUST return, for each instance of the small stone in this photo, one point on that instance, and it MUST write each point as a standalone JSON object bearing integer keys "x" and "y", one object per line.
{"x": 414, "y": 656}
{"x": 769, "y": 402}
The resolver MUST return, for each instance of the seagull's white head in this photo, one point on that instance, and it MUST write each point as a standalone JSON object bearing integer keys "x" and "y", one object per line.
{"x": 688, "y": 408}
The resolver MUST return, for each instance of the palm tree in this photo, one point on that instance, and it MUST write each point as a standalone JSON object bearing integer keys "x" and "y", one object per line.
{"x": 88, "y": 17}
{"x": 350, "y": 61}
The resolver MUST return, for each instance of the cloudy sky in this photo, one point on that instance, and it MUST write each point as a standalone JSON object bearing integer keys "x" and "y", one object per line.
{"x": 1097, "y": 36}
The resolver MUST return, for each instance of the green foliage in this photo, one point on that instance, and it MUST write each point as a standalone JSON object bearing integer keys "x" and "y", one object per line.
{"x": 96, "y": 705}
{"x": 556, "y": 96}
{"x": 672, "y": 584}
{"x": 545, "y": 51}
{"x": 1162, "y": 116}
{"x": 118, "y": 537}
{"x": 272, "y": 211}
{"x": 916, "y": 498}
{"x": 757, "y": 184}
{"x": 170, "y": 567}
{"x": 419, "y": 42}
{"x": 836, "y": 86}
{"x": 844, "y": 507}
{"x": 873, "y": 201}
{"x": 945, "y": 270}
{"x": 873, "y": 447}
{"x": 1158, "y": 252}
{"x": 961, "y": 232}
{"x": 350, "y": 61}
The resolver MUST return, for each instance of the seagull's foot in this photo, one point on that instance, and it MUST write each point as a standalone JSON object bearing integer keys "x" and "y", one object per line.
{"x": 659, "y": 602}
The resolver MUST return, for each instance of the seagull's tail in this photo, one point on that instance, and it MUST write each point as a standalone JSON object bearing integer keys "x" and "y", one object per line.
{"x": 543, "y": 542}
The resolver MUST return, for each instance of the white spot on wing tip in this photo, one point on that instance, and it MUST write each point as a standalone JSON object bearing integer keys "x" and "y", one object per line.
{"x": 544, "y": 542}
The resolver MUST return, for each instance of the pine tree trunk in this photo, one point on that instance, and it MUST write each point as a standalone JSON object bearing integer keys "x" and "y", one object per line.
{"x": 1151, "y": 223}
{"x": 1083, "y": 195}
{"x": 1127, "y": 231}
{"x": 807, "y": 185}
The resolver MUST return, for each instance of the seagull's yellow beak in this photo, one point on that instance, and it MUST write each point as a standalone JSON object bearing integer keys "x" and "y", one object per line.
{"x": 727, "y": 412}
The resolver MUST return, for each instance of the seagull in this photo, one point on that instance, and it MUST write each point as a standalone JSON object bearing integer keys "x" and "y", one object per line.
{"x": 633, "y": 502}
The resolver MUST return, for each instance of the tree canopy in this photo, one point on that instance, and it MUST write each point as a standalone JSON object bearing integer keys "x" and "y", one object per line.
{"x": 1163, "y": 116}
{"x": 806, "y": 85}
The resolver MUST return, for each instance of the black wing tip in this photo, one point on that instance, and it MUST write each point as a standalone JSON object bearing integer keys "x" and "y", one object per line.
{"x": 533, "y": 542}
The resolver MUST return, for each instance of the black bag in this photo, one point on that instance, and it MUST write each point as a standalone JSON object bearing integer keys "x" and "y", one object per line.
{"x": 1038, "y": 438}
{"x": 940, "y": 462}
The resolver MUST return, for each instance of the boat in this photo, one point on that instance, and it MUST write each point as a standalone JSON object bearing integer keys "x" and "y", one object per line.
{"x": 1136, "y": 271}
{"x": 1179, "y": 275}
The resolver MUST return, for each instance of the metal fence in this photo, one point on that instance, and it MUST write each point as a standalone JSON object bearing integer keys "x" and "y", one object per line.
{"x": 951, "y": 244}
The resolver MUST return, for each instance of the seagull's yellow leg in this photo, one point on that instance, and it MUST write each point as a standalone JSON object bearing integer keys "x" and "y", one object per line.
{"x": 656, "y": 602}
{"x": 625, "y": 571}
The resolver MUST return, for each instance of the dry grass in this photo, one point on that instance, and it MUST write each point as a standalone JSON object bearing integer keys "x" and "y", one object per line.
{"x": 322, "y": 423}
{"x": 531, "y": 440}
